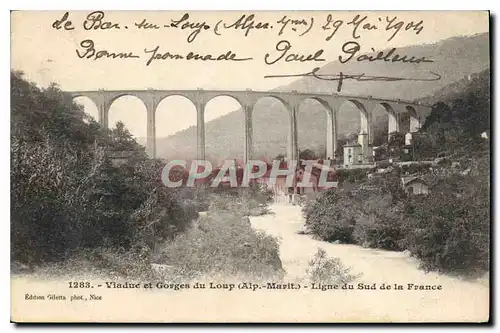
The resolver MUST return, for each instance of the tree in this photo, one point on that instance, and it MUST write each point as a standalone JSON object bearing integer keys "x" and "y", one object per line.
{"x": 396, "y": 144}
{"x": 122, "y": 139}
{"x": 66, "y": 194}
{"x": 422, "y": 146}
{"x": 307, "y": 154}
{"x": 457, "y": 128}
{"x": 449, "y": 229}
{"x": 332, "y": 217}
{"x": 439, "y": 115}
{"x": 280, "y": 157}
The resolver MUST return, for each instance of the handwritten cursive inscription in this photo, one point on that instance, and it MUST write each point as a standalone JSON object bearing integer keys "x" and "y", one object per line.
{"x": 155, "y": 54}
{"x": 295, "y": 24}
{"x": 358, "y": 26}
{"x": 144, "y": 24}
{"x": 68, "y": 25}
{"x": 357, "y": 77}
{"x": 359, "y": 22}
{"x": 351, "y": 48}
{"x": 247, "y": 23}
{"x": 88, "y": 51}
{"x": 95, "y": 21}
{"x": 195, "y": 27}
{"x": 284, "y": 46}
{"x": 331, "y": 24}
{"x": 393, "y": 24}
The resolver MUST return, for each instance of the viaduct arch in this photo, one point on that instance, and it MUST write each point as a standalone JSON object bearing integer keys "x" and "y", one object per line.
{"x": 247, "y": 99}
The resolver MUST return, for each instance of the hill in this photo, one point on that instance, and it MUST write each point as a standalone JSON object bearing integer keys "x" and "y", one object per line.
{"x": 461, "y": 116}
{"x": 454, "y": 59}
{"x": 477, "y": 84}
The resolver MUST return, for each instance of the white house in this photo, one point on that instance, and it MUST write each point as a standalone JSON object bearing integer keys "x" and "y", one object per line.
{"x": 358, "y": 153}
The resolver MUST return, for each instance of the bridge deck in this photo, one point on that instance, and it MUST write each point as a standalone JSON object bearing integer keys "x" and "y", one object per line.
{"x": 248, "y": 91}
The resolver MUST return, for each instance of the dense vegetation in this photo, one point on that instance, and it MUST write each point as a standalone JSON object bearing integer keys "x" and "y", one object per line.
{"x": 223, "y": 244}
{"x": 72, "y": 200}
{"x": 66, "y": 191}
{"x": 448, "y": 229}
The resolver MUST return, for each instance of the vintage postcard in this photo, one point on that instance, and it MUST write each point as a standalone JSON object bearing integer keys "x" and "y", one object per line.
{"x": 250, "y": 167}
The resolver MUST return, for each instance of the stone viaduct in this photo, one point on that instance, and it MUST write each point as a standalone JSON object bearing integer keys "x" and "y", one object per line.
{"x": 247, "y": 99}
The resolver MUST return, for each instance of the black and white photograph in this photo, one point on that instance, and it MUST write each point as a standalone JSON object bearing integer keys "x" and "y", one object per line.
{"x": 250, "y": 166}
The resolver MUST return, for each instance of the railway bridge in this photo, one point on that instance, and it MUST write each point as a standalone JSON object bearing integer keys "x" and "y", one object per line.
{"x": 247, "y": 99}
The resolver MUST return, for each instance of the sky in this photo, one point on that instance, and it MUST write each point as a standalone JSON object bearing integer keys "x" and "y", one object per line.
{"x": 46, "y": 54}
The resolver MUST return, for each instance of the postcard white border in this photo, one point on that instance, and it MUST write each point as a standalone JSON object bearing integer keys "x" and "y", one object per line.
{"x": 6, "y": 6}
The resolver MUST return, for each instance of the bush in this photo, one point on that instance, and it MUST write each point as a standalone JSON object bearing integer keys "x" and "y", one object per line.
{"x": 448, "y": 230}
{"x": 379, "y": 222}
{"x": 96, "y": 263}
{"x": 380, "y": 233}
{"x": 415, "y": 168}
{"x": 222, "y": 245}
{"x": 165, "y": 216}
{"x": 331, "y": 216}
{"x": 367, "y": 214}
{"x": 351, "y": 176}
{"x": 251, "y": 201}
{"x": 66, "y": 192}
{"x": 323, "y": 269}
